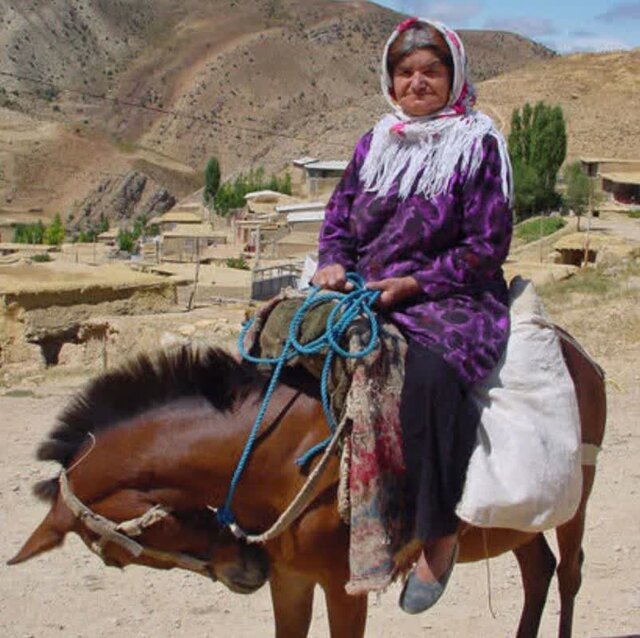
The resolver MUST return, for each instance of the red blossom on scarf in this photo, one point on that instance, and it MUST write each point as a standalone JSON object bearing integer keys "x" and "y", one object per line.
{"x": 398, "y": 129}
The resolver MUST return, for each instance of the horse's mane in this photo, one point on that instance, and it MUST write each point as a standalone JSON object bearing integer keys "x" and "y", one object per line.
{"x": 143, "y": 383}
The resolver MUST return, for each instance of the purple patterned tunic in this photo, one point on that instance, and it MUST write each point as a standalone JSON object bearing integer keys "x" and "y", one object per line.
{"x": 453, "y": 244}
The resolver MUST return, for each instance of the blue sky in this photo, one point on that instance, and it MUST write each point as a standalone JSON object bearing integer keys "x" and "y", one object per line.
{"x": 566, "y": 26}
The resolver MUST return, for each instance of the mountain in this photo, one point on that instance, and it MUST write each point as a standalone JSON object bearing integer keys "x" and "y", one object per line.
{"x": 251, "y": 82}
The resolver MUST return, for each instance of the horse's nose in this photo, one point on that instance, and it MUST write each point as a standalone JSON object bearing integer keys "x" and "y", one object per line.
{"x": 112, "y": 562}
{"x": 248, "y": 574}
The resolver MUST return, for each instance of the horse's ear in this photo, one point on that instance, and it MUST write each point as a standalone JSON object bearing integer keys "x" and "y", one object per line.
{"x": 49, "y": 534}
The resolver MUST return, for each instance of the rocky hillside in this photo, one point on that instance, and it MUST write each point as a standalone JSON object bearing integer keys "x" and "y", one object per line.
{"x": 119, "y": 199}
{"x": 252, "y": 82}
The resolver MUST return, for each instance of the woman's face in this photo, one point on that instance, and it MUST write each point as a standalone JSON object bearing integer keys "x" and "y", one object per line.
{"x": 421, "y": 83}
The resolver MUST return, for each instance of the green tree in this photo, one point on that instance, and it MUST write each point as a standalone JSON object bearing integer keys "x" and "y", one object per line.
{"x": 537, "y": 144}
{"x": 528, "y": 190}
{"x": 29, "y": 233}
{"x": 125, "y": 241}
{"x": 211, "y": 181}
{"x": 54, "y": 233}
{"x": 577, "y": 188}
{"x": 580, "y": 192}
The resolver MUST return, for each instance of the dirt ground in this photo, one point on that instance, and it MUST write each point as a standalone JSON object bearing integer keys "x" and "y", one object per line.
{"x": 69, "y": 592}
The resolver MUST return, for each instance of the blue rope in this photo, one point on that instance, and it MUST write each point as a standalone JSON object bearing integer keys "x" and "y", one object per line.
{"x": 348, "y": 307}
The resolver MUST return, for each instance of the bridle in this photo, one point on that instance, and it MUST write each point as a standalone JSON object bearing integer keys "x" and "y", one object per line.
{"x": 121, "y": 533}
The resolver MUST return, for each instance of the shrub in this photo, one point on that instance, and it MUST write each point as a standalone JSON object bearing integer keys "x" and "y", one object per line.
{"x": 41, "y": 257}
{"x": 125, "y": 241}
{"x": 237, "y": 262}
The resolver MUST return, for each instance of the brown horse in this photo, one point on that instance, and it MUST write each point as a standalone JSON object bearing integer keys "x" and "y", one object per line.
{"x": 149, "y": 448}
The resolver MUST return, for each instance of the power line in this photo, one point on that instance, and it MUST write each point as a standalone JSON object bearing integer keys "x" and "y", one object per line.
{"x": 207, "y": 119}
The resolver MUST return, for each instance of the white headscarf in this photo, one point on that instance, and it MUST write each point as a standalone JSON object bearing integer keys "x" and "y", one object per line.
{"x": 429, "y": 148}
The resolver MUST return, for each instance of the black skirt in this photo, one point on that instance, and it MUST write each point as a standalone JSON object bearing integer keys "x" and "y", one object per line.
{"x": 439, "y": 423}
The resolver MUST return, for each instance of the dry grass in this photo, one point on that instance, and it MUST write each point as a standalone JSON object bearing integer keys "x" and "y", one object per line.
{"x": 599, "y": 306}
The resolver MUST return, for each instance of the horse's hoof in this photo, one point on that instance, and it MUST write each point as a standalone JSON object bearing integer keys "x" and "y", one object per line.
{"x": 418, "y": 596}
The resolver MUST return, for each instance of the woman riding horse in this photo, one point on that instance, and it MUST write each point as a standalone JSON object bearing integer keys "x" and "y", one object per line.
{"x": 423, "y": 214}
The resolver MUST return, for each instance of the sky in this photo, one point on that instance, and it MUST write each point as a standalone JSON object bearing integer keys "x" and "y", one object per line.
{"x": 566, "y": 26}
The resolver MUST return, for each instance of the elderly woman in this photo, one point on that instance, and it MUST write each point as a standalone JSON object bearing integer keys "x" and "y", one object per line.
{"x": 423, "y": 214}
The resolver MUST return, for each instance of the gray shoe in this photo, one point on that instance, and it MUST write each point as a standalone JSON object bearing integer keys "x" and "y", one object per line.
{"x": 418, "y": 596}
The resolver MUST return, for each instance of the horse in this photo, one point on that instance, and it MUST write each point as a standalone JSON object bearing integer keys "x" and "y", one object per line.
{"x": 148, "y": 450}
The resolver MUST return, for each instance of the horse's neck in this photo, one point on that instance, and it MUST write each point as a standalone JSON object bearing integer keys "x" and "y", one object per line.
{"x": 187, "y": 451}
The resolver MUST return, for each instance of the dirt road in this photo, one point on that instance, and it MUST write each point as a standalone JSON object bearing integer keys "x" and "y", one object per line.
{"x": 68, "y": 592}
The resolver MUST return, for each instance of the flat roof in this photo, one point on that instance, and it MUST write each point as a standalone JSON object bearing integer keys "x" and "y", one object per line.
{"x": 42, "y": 248}
{"x": 307, "y": 216}
{"x": 178, "y": 217}
{"x": 595, "y": 160}
{"x": 302, "y": 206}
{"x": 632, "y": 177}
{"x": 302, "y": 161}
{"x": 112, "y": 233}
{"x": 192, "y": 230}
{"x": 264, "y": 224}
{"x": 329, "y": 165}
{"x": 264, "y": 195}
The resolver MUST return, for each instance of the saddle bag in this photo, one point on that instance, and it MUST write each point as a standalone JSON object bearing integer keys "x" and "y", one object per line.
{"x": 525, "y": 472}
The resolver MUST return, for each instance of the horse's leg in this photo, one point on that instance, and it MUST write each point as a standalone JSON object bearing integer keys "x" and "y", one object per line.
{"x": 537, "y": 564}
{"x": 569, "y": 538}
{"x": 347, "y": 614}
{"x": 292, "y": 597}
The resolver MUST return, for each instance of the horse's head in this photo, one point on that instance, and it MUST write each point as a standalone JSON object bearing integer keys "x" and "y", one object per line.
{"x": 125, "y": 528}
{"x": 139, "y": 448}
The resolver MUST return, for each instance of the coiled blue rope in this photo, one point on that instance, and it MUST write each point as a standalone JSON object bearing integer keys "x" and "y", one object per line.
{"x": 349, "y": 306}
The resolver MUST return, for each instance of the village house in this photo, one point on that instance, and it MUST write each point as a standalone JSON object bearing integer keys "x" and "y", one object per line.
{"x": 261, "y": 219}
{"x": 108, "y": 237}
{"x": 322, "y": 177}
{"x": 617, "y": 178}
{"x": 623, "y": 187}
{"x": 173, "y": 218}
{"x": 187, "y": 242}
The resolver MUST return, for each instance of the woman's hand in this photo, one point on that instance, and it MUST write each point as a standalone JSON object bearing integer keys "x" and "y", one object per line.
{"x": 395, "y": 290}
{"x": 332, "y": 277}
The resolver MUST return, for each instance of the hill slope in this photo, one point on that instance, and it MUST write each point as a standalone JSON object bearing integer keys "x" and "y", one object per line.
{"x": 249, "y": 82}
{"x": 598, "y": 93}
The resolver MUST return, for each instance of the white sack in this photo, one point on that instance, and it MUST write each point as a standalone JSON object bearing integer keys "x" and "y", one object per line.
{"x": 525, "y": 471}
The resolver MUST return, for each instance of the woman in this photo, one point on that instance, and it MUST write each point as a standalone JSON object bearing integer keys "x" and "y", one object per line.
{"x": 423, "y": 214}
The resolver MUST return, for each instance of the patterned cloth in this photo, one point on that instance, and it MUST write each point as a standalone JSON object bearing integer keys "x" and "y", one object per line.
{"x": 372, "y": 488}
{"x": 453, "y": 245}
